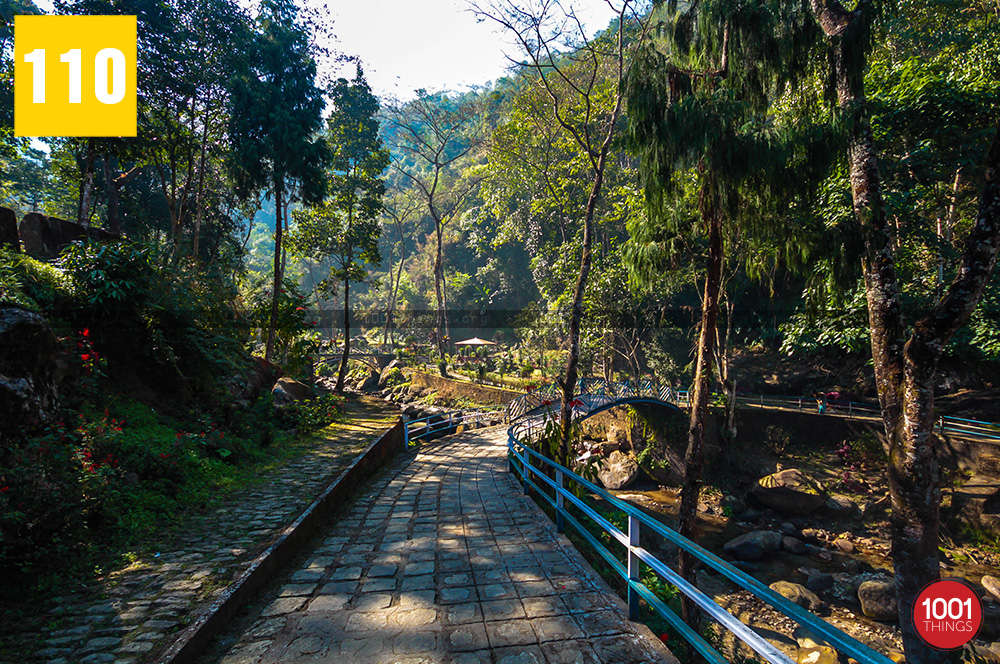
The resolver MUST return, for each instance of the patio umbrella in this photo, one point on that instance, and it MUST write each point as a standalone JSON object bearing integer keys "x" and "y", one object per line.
{"x": 475, "y": 341}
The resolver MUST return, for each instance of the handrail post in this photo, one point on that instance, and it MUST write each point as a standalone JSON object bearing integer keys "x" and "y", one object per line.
{"x": 406, "y": 436}
{"x": 560, "y": 521}
{"x": 633, "y": 567}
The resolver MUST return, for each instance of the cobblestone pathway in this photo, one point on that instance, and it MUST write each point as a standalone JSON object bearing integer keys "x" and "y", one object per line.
{"x": 442, "y": 560}
{"x": 128, "y": 616}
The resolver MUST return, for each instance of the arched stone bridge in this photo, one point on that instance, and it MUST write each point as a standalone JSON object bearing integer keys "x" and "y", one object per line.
{"x": 593, "y": 396}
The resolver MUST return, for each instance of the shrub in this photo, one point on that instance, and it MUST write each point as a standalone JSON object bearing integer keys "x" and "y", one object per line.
{"x": 318, "y": 413}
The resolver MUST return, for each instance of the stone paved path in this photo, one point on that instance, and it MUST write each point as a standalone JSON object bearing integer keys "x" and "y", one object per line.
{"x": 126, "y": 617}
{"x": 443, "y": 559}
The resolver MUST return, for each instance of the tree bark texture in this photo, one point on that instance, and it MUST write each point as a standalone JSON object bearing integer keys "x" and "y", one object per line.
{"x": 576, "y": 316}
{"x": 694, "y": 456}
{"x": 87, "y": 187}
{"x": 111, "y": 187}
{"x": 342, "y": 373}
{"x": 905, "y": 370}
{"x": 276, "y": 289}
{"x": 442, "y": 314}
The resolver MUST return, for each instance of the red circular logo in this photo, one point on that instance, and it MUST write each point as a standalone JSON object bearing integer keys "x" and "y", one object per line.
{"x": 948, "y": 613}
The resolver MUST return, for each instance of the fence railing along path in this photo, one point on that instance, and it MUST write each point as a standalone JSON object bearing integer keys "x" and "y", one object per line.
{"x": 570, "y": 495}
{"x": 566, "y": 492}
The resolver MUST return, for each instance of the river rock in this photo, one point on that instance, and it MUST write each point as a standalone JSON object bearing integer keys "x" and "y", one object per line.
{"x": 817, "y": 655}
{"x": 878, "y": 599}
{"x": 840, "y": 507}
{"x": 992, "y": 585}
{"x": 800, "y": 595}
{"x": 789, "y": 491}
{"x": 843, "y": 544}
{"x": 618, "y": 470}
{"x": 806, "y": 638}
{"x": 875, "y": 507}
{"x": 819, "y": 582}
{"x": 29, "y": 355}
{"x": 793, "y": 545}
{"x": 369, "y": 382}
{"x": 8, "y": 230}
{"x": 383, "y": 377}
{"x": 287, "y": 390}
{"x": 617, "y": 438}
{"x": 753, "y": 545}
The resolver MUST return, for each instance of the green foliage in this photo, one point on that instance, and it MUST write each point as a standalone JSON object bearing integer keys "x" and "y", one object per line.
{"x": 276, "y": 110}
{"x": 31, "y": 284}
{"x": 314, "y": 414}
{"x": 293, "y": 321}
{"x": 111, "y": 476}
{"x": 114, "y": 278}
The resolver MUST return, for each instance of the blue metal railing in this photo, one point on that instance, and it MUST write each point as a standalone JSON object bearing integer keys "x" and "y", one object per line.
{"x": 555, "y": 491}
{"x": 446, "y": 422}
{"x": 548, "y": 398}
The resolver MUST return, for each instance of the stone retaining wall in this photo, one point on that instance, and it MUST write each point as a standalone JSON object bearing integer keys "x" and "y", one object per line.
{"x": 450, "y": 389}
{"x": 196, "y": 637}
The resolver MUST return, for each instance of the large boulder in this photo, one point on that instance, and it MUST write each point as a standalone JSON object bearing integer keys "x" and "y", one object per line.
{"x": 753, "y": 545}
{"x": 992, "y": 585}
{"x": 789, "y": 491}
{"x": 369, "y": 382}
{"x": 840, "y": 507}
{"x": 29, "y": 354}
{"x": 618, "y": 470}
{"x": 798, "y": 594}
{"x": 817, "y": 655}
{"x": 8, "y": 230}
{"x": 287, "y": 391}
{"x": 390, "y": 369}
{"x": 878, "y": 599}
{"x": 45, "y": 237}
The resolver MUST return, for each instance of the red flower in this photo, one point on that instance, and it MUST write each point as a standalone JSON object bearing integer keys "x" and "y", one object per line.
{"x": 300, "y": 308}
{"x": 85, "y": 333}
{"x": 4, "y": 489}
{"x": 164, "y": 455}
{"x": 85, "y": 357}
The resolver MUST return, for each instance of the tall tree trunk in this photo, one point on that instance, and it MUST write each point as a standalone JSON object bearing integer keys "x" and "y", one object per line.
{"x": 694, "y": 456}
{"x": 905, "y": 374}
{"x": 342, "y": 373}
{"x": 442, "y": 314}
{"x": 111, "y": 187}
{"x": 276, "y": 288}
{"x": 572, "y": 375}
{"x": 87, "y": 187}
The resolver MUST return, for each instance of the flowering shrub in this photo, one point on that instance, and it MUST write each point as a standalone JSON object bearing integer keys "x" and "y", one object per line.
{"x": 92, "y": 365}
{"x": 318, "y": 413}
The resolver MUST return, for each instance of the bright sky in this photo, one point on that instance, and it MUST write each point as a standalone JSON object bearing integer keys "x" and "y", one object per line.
{"x": 434, "y": 44}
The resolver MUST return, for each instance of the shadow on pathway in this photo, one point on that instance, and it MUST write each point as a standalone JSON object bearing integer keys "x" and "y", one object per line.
{"x": 443, "y": 559}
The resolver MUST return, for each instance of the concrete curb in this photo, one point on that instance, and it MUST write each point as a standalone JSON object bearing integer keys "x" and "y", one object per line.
{"x": 194, "y": 638}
